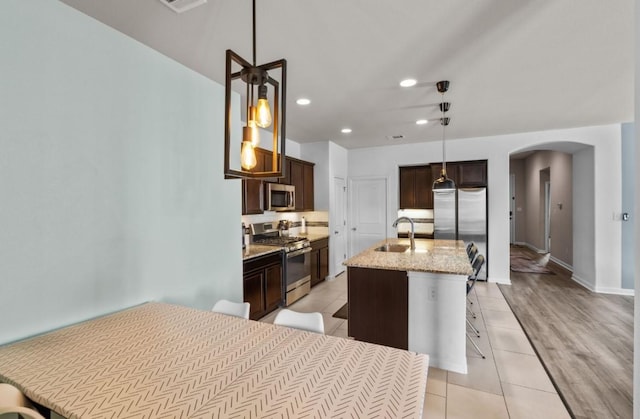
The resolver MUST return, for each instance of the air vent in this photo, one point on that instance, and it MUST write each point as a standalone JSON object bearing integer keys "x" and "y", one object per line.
{"x": 395, "y": 137}
{"x": 180, "y": 6}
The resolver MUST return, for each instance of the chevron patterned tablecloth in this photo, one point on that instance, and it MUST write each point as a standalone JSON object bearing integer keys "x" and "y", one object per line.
{"x": 165, "y": 361}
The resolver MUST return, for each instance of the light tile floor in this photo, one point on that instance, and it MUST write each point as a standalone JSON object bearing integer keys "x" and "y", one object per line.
{"x": 509, "y": 383}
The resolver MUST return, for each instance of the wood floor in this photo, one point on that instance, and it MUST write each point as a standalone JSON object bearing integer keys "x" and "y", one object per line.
{"x": 584, "y": 339}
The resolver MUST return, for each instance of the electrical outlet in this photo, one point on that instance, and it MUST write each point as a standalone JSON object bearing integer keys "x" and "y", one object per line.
{"x": 433, "y": 294}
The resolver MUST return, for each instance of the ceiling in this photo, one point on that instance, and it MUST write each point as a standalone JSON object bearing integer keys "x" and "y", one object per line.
{"x": 514, "y": 66}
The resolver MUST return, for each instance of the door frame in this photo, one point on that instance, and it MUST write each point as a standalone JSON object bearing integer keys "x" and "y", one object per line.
{"x": 512, "y": 208}
{"x": 547, "y": 216}
{"x": 336, "y": 259}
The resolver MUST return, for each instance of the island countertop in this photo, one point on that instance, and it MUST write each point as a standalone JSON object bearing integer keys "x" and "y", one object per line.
{"x": 438, "y": 256}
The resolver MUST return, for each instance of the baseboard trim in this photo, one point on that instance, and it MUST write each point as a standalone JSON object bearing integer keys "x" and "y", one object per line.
{"x": 602, "y": 290}
{"x": 615, "y": 291}
{"x": 582, "y": 282}
{"x": 561, "y": 263}
{"x": 503, "y": 281}
{"x": 535, "y": 249}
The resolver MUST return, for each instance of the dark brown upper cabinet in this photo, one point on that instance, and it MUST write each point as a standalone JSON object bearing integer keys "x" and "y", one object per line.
{"x": 472, "y": 174}
{"x": 415, "y": 187}
{"x": 298, "y": 173}
{"x": 466, "y": 174}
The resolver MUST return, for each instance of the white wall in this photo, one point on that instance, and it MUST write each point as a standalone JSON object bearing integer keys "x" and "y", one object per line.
{"x": 111, "y": 175}
{"x": 384, "y": 161}
{"x": 584, "y": 269}
{"x": 635, "y": 215}
{"x": 318, "y": 153}
{"x": 331, "y": 162}
{"x": 629, "y": 175}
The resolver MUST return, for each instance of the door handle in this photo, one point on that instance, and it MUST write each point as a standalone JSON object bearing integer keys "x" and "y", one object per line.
{"x": 335, "y": 232}
{"x": 353, "y": 229}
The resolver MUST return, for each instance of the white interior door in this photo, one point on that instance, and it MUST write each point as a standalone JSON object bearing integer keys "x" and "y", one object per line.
{"x": 338, "y": 245}
{"x": 368, "y": 213}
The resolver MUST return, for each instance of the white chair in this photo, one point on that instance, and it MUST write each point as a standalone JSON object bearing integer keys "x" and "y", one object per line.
{"x": 232, "y": 309}
{"x": 13, "y": 401}
{"x": 311, "y": 322}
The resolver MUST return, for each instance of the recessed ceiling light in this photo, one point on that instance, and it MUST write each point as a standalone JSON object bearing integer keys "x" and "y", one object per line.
{"x": 346, "y": 130}
{"x": 408, "y": 82}
{"x": 421, "y": 121}
{"x": 303, "y": 101}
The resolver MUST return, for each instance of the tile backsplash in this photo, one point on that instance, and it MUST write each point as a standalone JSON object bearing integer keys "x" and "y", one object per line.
{"x": 317, "y": 222}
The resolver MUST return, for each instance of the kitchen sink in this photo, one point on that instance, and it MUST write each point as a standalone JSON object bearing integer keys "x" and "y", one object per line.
{"x": 392, "y": 248}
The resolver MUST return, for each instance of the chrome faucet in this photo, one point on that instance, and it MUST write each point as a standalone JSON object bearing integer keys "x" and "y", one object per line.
{"x": 412, "y": 234}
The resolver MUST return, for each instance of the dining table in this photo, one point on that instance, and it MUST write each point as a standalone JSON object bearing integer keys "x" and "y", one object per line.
{"x": 159, "y": 360}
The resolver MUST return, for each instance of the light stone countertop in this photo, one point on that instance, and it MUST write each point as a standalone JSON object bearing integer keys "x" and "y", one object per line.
{"x": 438, "y": 256}
{"x": 255, "y": 250}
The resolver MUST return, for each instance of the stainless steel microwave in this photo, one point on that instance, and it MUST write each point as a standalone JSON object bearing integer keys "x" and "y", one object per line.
{"x": 280, "y": 197}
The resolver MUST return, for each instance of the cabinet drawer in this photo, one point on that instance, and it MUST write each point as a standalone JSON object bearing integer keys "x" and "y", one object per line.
{"x": 319, "y": 244}
{"x": 261, "y": 262}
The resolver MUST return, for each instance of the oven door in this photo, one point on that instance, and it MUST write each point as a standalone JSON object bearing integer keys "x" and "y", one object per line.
{"x": 298, "y": 274}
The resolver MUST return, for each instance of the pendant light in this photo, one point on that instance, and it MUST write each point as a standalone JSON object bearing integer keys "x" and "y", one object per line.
{"x": 267, "y": 81}
{"x": 443, "y": 182}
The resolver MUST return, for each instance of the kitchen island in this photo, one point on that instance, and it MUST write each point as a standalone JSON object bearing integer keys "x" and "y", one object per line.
{"x": 412, "y": 299}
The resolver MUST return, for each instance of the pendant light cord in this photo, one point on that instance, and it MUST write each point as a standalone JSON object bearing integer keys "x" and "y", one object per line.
{"x": 443, "y": 122}
{"x": 254, "y": 33}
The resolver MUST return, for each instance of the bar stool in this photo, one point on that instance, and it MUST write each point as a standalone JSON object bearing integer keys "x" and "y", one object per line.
{"x": 471, "y": 281}
{"x": 472, "y": 251}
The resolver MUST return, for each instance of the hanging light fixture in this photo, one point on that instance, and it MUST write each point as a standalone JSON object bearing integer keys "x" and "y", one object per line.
{"x": 443, "y": 182}
{"x": 264, "y": 82}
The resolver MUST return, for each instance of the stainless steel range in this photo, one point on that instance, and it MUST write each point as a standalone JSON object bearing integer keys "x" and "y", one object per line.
{"x": 297, "y": 267}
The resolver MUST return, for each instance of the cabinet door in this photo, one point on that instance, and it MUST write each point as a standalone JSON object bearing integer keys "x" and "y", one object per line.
{"x": 378, "y": 306}
{"x": 415, "y": 187}
{"x": 253, "y": 287}
{"x": 273, "y": 284}
{"x": 297, "y": 180}
{"x": 286, "y": 165}
{"x": 252, "y": 198}
{"x": 407, "y": 187}
{"x": 423, "y": 191}
{"x": 307, "y": 200}
{"x": 472, "y": 174}
{"x": 323, "y": 268}
{"x": 315, "y": 266}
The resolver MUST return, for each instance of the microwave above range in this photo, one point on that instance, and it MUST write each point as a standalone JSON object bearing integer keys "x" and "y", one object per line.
{"x": 279, "y": 197}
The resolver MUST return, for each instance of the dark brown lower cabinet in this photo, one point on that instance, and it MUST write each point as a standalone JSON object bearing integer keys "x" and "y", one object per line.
{"x": 379, "y": 306}
{"x": 319, "y": 261}
{"x": 262, "y": 284}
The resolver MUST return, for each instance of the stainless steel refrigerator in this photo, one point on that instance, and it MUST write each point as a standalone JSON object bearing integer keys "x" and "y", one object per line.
{"x": 444, "y": 214}
{"x": 472, "y": 221}
{"x": 464, "y": 218}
